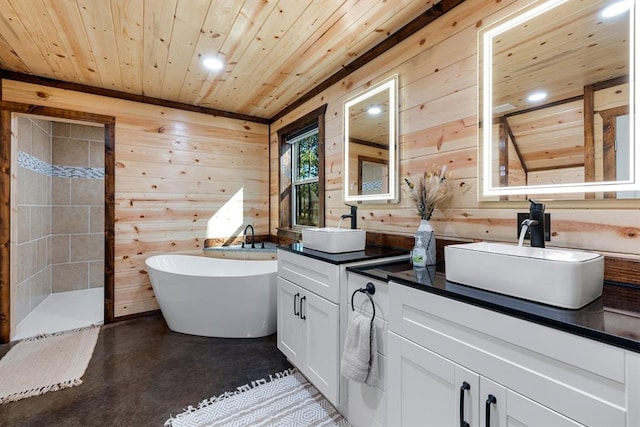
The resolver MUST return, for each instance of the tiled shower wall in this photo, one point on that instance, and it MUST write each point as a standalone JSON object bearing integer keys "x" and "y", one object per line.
{"x": 77, "y": 207}
{"x": 33, "y": 220}
{"x": 60, "y": 210}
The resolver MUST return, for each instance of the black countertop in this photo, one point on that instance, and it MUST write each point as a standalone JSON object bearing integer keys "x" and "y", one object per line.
{"x": 595, "y": 321}
{"x": 370, "y": 252}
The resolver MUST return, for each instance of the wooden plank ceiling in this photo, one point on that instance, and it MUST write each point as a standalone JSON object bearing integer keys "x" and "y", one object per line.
{"x": 274, "y": 51}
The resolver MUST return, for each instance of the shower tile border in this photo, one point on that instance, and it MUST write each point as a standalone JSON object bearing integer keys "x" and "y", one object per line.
{"x": 39, "y": 166}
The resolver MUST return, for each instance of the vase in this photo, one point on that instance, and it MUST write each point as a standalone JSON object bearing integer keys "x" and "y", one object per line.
{"x": 428, "y": 240}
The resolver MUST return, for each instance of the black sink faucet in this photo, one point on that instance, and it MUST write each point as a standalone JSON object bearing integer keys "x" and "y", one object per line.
{"x": 353, "y": 215}
{"x": 253, "y": 236}
{"x": 536, "y": 225}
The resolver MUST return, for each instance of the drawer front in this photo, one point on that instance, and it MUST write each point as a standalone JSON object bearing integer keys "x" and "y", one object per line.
{"x": 361, "y": 302}
{"x": 316, "y": 276}
{"x": 562, "y": 371}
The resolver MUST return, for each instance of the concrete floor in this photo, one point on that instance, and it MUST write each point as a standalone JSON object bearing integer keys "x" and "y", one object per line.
{"x": 141, "y": 373}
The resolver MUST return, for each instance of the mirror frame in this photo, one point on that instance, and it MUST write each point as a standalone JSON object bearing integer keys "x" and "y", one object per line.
{"x": 485, "y": 189}
{"x": 390, "y": 84}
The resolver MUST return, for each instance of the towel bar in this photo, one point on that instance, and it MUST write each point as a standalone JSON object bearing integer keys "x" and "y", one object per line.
{"x": 368, "y": 290}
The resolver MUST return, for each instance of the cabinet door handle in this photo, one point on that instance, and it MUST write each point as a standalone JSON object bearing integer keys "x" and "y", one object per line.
{"x": 491, "y": 399}
{"x": 295, "y": 302}
{"x": 464, "y": 387}
{"x": 302, "y": 316}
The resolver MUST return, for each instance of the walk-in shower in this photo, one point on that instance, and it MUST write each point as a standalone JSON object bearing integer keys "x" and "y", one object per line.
{"x": 57, "y": 225}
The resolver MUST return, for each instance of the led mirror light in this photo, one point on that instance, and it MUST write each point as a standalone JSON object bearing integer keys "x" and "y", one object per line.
{"x": 489, "y": 188}
{"x": 367, "y": 178}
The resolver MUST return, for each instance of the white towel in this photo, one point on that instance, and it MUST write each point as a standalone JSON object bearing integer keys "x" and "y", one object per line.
{"x": 360, "y": 357}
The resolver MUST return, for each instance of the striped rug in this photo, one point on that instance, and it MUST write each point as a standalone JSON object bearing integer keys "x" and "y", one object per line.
{"x": 285, "y": 399}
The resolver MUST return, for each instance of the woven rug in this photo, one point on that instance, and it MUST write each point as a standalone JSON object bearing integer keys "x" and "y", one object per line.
{"x": 45, "y": 363}
{"x": 285, "y": 399}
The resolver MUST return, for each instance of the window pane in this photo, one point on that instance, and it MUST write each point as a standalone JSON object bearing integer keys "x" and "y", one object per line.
{"x": 285, "y": 168}
{"x": 306, "y": 201}
{"x": 307, "y": 157}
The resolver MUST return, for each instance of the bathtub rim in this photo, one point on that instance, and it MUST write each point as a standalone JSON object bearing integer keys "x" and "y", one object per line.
{"x": 202, "y": 259}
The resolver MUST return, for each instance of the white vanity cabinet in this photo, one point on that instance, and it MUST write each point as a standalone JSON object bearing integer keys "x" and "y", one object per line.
{"x": 445, "y": 393}
{"x": 312, "y": 318}
{"x": 367, "y": 405}
{"x": 448, "y": 358}
{"x": 309, "y": 319}
{"x": 307, "y": 329}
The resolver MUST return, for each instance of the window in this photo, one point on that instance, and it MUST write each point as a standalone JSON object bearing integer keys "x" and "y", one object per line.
{"x": 304, "y": 179}
{"x": 302, "y": 172}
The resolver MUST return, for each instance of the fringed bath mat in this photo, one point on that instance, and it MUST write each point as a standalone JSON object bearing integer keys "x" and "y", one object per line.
{"x": 285, "y": 399}
{"x": 46, "y": 363}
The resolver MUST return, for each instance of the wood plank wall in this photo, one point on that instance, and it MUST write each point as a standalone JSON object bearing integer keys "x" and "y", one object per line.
{"x": 181, "y": 177}
{"x": 438, "y": 125}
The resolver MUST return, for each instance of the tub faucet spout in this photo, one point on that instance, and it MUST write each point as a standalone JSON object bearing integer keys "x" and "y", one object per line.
{"x": 253, "y": 236}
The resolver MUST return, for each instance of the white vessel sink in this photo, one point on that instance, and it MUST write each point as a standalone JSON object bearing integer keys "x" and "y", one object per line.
{"x": 334, "y": 240}
{"x": 558, "y": 277}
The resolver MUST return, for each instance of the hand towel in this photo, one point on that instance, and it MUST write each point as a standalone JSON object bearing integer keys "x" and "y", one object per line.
{"x": 360, "y": 357}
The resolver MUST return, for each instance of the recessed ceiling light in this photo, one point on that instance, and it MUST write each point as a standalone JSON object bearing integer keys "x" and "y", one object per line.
{"x": 374, "y": 110}
{"x": 213, "y": 64}
{"x": 616, "y": 9}
{"x": 537, "y": 96}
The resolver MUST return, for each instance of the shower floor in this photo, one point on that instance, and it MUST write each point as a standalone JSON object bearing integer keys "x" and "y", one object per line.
{"x": 63, "y": 311}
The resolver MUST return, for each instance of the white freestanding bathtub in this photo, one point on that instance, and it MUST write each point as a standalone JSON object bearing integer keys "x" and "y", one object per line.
{"x": 215, "y": 297}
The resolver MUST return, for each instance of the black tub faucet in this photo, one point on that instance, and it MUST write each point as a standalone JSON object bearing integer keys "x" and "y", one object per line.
{"x": 536, "y": 224}
{"x": 353, "y": 215}
{"x": 253, "y": 236}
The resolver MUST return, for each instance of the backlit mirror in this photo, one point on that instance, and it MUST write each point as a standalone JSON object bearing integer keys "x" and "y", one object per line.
{"x": 370, "y": 138}
{"x": 557, "y": 101}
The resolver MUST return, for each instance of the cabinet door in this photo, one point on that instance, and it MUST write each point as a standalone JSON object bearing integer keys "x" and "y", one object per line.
{"x": 505, "y": 407}
{"x": 493, "y": 403}
{"x": 525, "y": 412}
{"x": 290, "y": 326}
{"x": 425, "y": 389}
{"x": 467, "y": 387}
{"x": 321, "y": 341}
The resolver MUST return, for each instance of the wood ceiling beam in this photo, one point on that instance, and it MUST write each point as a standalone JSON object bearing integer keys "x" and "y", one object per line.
{"x": 609, "y": 155}
{"x": 516, "y": 147}
{"x": 369, "y": 143}
{"x": 589, "y": 135}
{"x": 503, "y": 152}
{"x": 589, "y": 138}
{"x": 544, "y": 106}
{"x": 553, "y": 168}
{"x": 606, "y": 84}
